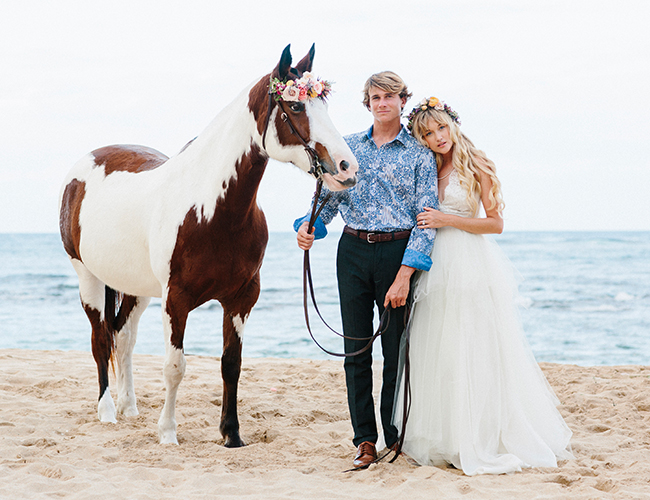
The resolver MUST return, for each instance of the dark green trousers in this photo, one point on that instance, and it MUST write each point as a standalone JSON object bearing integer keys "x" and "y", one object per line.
{"x": 365, "y": 272}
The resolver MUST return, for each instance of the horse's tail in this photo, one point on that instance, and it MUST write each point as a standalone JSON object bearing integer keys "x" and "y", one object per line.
{"x": 103, "y": 339}
{"x": 109, "y": 328}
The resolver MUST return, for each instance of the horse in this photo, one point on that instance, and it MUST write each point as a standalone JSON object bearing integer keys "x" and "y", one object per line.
{"x": 136, "y": 224}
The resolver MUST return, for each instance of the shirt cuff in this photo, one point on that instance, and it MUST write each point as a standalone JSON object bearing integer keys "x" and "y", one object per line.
{"x": 417, "y": 260}
{"x": 320, "y": 231}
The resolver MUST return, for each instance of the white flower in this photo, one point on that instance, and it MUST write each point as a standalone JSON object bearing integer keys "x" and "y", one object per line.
{"x": 291, "y": 93}
{"x": 302, "y": 82}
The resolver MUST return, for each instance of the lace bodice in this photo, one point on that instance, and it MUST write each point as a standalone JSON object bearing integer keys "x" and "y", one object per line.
{"x": 455, "y": 198}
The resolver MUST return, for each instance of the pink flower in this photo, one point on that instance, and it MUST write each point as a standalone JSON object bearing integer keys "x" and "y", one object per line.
{"x": 291, "y": 93}
{"x": 303, "y": 94}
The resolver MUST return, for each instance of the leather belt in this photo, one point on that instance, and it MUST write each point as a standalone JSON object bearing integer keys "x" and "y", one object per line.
{"x": 371, "y": 237}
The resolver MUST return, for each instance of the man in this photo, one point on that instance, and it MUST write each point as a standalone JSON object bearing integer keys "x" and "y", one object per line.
{"x": 379, "y": 250}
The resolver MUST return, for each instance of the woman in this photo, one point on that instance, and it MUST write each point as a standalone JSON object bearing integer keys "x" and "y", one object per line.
{"x": 479, "y": 400}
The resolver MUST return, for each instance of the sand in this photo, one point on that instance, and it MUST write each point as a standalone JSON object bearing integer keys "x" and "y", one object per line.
{"x": 293, "y": 416}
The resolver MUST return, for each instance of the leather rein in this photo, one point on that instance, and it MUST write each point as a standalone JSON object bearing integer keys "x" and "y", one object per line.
{"x": 317, "y": 170}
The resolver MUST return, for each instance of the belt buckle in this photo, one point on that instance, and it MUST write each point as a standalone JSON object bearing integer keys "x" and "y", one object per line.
{"x": 368, "y": 235}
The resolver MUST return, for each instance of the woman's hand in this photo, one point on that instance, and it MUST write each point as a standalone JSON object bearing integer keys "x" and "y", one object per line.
{"x": 431, "y": 219}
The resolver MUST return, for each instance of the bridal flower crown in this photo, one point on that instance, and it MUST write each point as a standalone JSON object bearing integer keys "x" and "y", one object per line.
{"x": 434, "y": 103}
{"x": 307, "y": 87}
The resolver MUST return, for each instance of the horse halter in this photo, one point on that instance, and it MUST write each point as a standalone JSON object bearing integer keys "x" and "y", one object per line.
{"x": 317, "y": 168}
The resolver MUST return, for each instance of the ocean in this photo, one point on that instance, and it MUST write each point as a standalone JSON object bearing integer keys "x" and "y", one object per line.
{"x": 585, "y": 299}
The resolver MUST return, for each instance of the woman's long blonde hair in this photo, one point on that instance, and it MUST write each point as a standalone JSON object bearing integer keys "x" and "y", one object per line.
{"x": 468, "y": 161}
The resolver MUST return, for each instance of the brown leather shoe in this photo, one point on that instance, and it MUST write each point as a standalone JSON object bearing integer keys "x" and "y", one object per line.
{"x": 366, "y": 453}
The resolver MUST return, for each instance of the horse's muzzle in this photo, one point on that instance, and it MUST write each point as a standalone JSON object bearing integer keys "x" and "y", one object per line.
{"x": 348, "y": 183}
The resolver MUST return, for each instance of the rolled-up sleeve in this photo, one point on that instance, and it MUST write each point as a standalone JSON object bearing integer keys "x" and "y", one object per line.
{"x": 418, "y": 250}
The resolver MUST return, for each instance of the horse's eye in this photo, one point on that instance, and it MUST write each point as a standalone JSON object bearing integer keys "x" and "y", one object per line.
{"x": 297, "y": 107}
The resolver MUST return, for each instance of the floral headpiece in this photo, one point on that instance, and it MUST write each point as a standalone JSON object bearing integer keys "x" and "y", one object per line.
{"x": 435, "y": 103}
{"x": 307, "y": 87}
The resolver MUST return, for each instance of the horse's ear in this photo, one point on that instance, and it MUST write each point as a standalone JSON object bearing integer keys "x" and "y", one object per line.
{"x": 283, "y": 67}
{"x": 305, "y": 63}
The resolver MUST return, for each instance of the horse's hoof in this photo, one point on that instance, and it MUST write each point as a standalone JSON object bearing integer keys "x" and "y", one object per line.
{"x": 168, "y": 438}
{"x": 129, "y": 411}
{"x": 234, "y": 442}
{"x": 167, "y": 430}
{"x": 107, "y": 419}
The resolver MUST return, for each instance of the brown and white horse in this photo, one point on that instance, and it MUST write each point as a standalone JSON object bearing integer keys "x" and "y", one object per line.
{"x": 137, "y": 224}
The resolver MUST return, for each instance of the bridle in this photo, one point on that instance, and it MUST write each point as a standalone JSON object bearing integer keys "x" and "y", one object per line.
{"x": 317, "y": 170}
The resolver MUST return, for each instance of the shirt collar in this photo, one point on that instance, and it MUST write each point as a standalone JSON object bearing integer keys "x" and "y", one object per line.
{"x": 403, "y": 136}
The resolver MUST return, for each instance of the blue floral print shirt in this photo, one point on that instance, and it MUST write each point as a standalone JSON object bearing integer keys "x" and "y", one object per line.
{"x": 395, "y": 182}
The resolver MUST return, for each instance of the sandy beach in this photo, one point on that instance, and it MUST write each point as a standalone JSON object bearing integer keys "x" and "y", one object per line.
{"x": 294, "y": 417}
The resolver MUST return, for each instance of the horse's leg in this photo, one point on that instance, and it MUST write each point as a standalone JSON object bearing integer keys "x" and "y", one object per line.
{"x": 127, "y": 332}
{"x": 235, "y": 314}
{"x": 174, "y": 314}
{"x": 92, "y": 292}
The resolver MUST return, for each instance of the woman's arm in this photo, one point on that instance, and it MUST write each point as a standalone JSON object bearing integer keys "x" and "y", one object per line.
{"x": 492, "y": 223}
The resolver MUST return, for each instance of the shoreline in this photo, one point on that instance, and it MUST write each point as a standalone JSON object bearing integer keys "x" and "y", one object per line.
{"x": 293, "y": 416}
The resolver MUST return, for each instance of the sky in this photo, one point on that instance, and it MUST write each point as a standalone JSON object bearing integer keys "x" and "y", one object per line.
{"x": 557, "y": 93}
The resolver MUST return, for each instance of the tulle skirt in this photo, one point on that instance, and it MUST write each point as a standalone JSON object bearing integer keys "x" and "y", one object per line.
{"x": 479, "y": 398}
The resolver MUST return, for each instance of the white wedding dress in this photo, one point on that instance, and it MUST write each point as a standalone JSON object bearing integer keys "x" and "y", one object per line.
{"x": 479, "y": 400}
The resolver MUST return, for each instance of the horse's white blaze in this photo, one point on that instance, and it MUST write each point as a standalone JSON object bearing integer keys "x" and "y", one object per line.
{"x": 322, "y": 130}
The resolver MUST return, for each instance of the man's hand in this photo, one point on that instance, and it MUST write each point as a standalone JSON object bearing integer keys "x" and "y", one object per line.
{"x": 305, "y": 239}
{"x": 399, "y": 291}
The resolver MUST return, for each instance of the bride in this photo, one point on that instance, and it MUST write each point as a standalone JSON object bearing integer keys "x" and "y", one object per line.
{"x": 479, "y": 401}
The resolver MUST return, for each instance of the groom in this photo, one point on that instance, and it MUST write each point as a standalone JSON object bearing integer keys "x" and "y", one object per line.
{"x": 379, "y": 250}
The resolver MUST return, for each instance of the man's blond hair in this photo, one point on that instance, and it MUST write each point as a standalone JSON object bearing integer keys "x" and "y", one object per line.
{"x": 388, "y": 82}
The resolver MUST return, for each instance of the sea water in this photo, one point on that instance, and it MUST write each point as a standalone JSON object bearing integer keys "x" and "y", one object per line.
{"x": 585, "y": 299}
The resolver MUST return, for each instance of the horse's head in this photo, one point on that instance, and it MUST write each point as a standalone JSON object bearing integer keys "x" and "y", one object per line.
{"x": 293, "y": 122}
